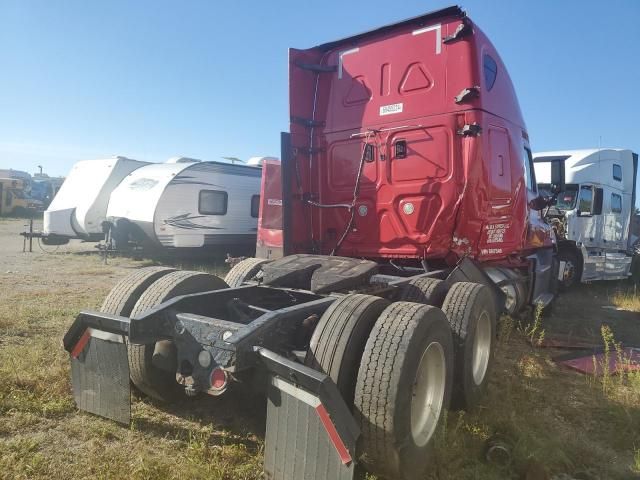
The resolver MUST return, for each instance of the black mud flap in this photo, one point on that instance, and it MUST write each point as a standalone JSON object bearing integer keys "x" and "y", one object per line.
{"x": 100, "y": 377}
{"x": 99, "y": 369}
{"x": 311, "y": 433}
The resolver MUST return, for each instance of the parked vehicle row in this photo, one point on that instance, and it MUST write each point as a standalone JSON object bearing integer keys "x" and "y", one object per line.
{"x": 25, "y": 194}
{"x": 15, "y": 199}
{"x": 183, "y": 203}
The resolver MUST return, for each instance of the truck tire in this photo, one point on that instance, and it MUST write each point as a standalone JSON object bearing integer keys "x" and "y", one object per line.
{"x": 147, "y": 377}
{"x": 572, "y": 268}
{"x": 243, "y": 271}
{"x": 429, "y": 291}
{"x": 403, "y": 388}
{"x": 471, "y": 311}
{"x": 338, "y": 340}
{"x": 123, "y": 297}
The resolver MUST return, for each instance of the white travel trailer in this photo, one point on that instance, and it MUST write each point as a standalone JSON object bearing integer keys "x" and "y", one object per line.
{"x": 80, "y": 206}
{"x": 592, "y": 214}
{"x": 187, "y": 204}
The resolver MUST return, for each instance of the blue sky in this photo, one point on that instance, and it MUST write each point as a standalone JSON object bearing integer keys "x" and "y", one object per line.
{"x": 155, "y": 79}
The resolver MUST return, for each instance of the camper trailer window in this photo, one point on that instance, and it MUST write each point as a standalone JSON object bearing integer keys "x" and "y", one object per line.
{"x": 616, "y": 203}
{"x": 255, "y": 206}
{"x": 617, "y": 172}
{"x": 585, "y": 200}
{"x": 212, "y": 202}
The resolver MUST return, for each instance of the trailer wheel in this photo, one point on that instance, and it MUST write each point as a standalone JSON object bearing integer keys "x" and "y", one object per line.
{"x": 243, "y": 271}
{"x": 403, "y": 388}
{"x": 470, "y": 309}
{"x": 339, "y": 338}
{"x": 572, "y": 268}
{"x": 148, "y": 378}
{"x": 123, "y": 297}
{"x": 429, "y": 291}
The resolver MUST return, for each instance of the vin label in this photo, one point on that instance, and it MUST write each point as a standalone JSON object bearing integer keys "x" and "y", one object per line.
{"x": 391, "y": 109}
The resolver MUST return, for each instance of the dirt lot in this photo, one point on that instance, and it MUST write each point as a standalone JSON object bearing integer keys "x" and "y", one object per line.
{"x": 554, "y": 421}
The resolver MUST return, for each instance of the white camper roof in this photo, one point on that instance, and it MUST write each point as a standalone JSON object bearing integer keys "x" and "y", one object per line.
{"x": 137, "y": 195}
{"x": 84, "y": 195}
{"x": 593, "y": 166}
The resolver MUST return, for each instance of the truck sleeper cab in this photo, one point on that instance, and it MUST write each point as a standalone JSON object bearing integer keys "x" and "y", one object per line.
{"x": 404, "y": 226}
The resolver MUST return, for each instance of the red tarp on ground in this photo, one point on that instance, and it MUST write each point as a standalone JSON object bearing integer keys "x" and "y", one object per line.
{"x": 566, "y": 341}
{"x": 630, "y": 361}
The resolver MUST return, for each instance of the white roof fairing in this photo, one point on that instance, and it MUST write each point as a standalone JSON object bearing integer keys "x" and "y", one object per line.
{"x": 594, "y": 166}
{"x": 138, "y": 194}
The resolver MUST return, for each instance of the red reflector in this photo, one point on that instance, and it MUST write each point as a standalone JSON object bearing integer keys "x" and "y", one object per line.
{"x": 82, "y": 342}
{"x": 218, "y": 379}
{"x": 334, "y": 436}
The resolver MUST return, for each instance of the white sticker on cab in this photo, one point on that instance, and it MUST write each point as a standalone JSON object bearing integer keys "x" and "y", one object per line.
{"x": 391, "y": 109}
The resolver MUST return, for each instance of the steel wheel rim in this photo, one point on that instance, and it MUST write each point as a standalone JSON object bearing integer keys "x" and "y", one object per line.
{"x": 569, "y": 272}
{"x": 481, "y": 348}
{"x": 428, "y": 394}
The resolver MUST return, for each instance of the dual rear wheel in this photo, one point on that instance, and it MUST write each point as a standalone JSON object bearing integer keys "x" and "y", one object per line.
{"x": 152, "y": 366}
{"x": 141, "y": 291}
{"x": 401, "y": 366}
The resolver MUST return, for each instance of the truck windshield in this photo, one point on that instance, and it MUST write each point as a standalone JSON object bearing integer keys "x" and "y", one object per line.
{"x": 18, "y": 193}
{"x": 566, "y": 199}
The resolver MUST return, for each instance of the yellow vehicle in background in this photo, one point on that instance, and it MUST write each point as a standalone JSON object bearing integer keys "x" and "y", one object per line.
{"x": 14, "y": 199}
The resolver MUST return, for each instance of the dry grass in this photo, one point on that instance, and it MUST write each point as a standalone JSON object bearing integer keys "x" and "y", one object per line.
{"x": 554, "y": 419}
{"x": 627, "y": 299}
{"x": 551, "y": 419}
{"x": 42, "y": 435}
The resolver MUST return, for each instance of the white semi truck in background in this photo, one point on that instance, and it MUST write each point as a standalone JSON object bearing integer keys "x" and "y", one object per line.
{"x": 593, "y": 215}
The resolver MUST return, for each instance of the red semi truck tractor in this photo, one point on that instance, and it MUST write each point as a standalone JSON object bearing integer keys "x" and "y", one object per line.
{"x": 401, "y": 221}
